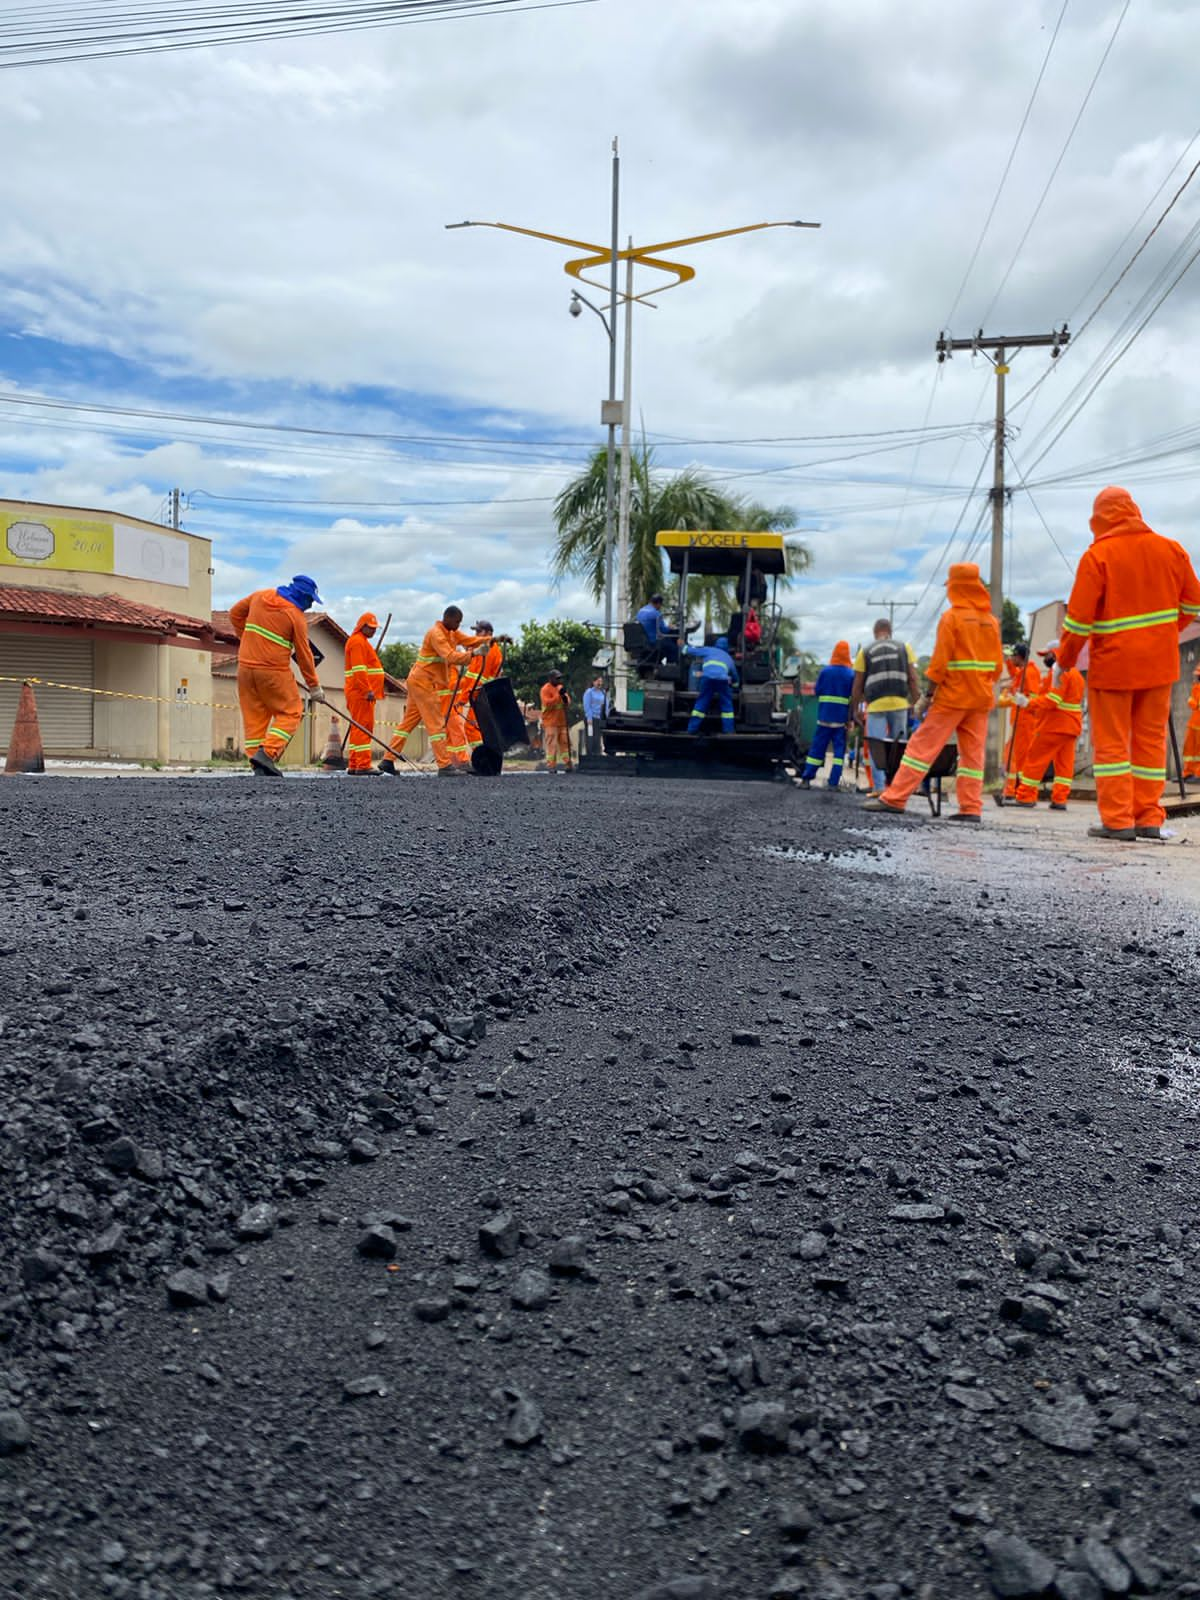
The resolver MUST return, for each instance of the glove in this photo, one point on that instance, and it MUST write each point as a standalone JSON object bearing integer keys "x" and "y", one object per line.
{"x": 316, "y": 696}
{"x": 1022, "y": 700}
{"x": 370, "y": 698}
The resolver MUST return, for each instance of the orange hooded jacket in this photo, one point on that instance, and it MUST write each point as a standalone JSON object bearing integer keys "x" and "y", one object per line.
{"x": 270, "y": 630}
{"x": 1133, "y": 593}
{"x": 554, "y": 705}
{"x": 1060, "y": 707}
{"x": 967, "y": 657}
{"x": 364, "y": 670}
{"x": 841, "y": 655}
{"x": 442, "y": 650}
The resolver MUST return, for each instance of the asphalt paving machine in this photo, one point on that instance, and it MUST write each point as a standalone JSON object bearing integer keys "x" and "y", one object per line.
{"x": 654, "y": 742}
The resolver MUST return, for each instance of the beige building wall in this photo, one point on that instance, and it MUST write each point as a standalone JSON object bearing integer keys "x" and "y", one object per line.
{"x": 171, "y": 724}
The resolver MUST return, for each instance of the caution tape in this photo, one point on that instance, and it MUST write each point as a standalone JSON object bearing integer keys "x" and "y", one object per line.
{"x": 120, "y": 694}
{"x": 166, "y": 700}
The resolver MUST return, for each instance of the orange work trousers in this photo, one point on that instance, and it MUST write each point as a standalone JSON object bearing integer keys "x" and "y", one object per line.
{"x": 1048, "y": 749}
{"x": 447, "y": 736}
{"x": 358, "y": 746}
{"x": 1019, "y": 741}
{"x": 271, "y": 709}
{"x": 1129, "y": 738}
{"x": 940, "y": 725}
{"x": 471, "y": 731}
{"x": 1191, "y": 750}
{"x": 557, "y": 742}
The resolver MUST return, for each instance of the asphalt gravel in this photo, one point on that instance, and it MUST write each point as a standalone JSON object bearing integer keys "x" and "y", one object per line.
{"x": 557, "y": 1188}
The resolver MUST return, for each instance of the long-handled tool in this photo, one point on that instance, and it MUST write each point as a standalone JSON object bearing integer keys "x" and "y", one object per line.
{"x": 1183, "y": 794}
{"x": 382, "y": 743}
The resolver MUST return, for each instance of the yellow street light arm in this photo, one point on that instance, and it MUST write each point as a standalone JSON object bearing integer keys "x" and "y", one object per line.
{"x": 601, "y": 255}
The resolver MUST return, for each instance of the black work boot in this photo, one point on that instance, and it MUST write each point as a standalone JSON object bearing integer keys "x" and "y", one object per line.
{"x": 263, "y": 765}
{"x": 971, "y": 819}
{"x": 1101, "y": 832}
{"x": 388, "y": 767}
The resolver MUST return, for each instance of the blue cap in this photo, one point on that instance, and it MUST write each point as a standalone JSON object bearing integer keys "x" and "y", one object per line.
{"x": 722, "y": 643}
{"x": 308, "y": 586}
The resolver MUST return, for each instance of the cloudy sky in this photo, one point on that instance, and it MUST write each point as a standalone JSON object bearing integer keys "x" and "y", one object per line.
{"x": 257, "y": 233}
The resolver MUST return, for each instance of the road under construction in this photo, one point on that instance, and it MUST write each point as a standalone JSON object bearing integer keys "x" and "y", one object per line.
{"x": 725, "y": 1197}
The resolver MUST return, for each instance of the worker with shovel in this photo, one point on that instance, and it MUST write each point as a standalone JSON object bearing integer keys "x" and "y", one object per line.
{"x": 431, "y": 692}
{"x": 364, "y": 691}
{"x": 1024, "y": 679}
{"x": 271, "y": 630}
{"x": 1059, "y": 723}
{"x": 485, "y": 666}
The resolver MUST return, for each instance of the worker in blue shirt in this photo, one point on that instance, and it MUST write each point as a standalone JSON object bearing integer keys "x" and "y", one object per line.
{"x": 833, "y": 689}
{"x": 596, "y": 706}
{"x": 718, "y": 679}
{"x": 665, "y": 640}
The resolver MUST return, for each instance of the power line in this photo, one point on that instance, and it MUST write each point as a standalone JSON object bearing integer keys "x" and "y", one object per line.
{"x": 987, "y": 222}
{"x": 149, "y": 33}
{"x": 1023, "y": 484}
{"x": 1037, "y": 210}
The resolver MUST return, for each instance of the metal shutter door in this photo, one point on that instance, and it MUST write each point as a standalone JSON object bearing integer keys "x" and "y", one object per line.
{"x": 64, "y": 717}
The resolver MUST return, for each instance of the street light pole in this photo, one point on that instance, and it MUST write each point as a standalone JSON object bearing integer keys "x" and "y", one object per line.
{"x": 611, "y": 411}
{"x": 623, "y": 607}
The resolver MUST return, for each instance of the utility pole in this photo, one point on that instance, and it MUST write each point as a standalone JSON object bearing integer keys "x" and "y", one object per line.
{"x": 891, "y": 607}
{"x": 175, "y": 508}
{"x": 998, "y": 350}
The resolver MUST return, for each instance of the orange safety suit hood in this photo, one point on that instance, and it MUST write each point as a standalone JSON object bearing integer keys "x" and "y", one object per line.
{"x": 1116, "y": 511}
{"x": 965, "y": 588}
{"x": 367, "y": 620}
{"x": 841, "y": 655}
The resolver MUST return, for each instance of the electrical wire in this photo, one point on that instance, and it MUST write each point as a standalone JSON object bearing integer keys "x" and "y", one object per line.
{"x": 1037, "y": 210}
{"x": 148, "y": 33}
{"x": 1023, "y": 484}
{"x": 987, "y": 221}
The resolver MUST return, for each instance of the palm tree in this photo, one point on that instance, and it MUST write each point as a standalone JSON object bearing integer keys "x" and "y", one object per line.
{"x": 686, "y": 500}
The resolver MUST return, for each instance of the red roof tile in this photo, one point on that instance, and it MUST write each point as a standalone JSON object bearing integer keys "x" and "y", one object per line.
{"x": 67, "y": 606}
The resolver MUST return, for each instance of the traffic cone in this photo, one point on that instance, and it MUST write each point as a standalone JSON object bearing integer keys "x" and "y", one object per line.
{"x": 333, "y": 757}
{"x": 25, "y": 746}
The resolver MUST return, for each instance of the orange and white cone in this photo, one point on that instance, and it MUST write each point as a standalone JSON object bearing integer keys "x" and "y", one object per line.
{"x": 25, "y": 746}
{"x": 333, "y": 757}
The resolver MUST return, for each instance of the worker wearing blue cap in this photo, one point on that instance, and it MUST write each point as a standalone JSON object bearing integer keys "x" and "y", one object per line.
{"x": 271, "y": 630}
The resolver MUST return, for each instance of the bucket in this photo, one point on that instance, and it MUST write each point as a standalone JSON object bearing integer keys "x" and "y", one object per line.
{"x": 499, "y": 716}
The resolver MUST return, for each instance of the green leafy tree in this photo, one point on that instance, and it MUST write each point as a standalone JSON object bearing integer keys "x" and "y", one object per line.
{"x": 398, "y": 657}
{"x": 686, "y": 500}
{"x": 1012, "y": 629}
{"x": 543, "y": 646}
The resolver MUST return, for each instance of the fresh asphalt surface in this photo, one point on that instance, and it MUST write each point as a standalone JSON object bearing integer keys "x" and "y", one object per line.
{"x": 840, "y": 1229}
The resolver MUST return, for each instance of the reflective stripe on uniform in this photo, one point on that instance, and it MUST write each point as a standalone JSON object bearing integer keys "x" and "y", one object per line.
{"x": 1151, "y": 773}
{"x": 1112, "y": 769}
{"x": 835, "y": 699}
{"x": 917, "y": 766}
{"x": 1148, "y": 619}
{"x": 280, "y": 733}
{"x": 1065, "y": 705}
{"x": 428, "y": 659}
{"x": 1071, "y": 626}
{"x": 971, "y": 666}
{"x": 969, "y": 772}
{"x": 437, "y": 738}
{"x": 265, "y": 633}
{"x": 350, "y": 671}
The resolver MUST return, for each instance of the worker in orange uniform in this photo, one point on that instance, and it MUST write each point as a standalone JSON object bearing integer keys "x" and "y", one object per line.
{"x": 1191, "y": 741}
{"x": 1059, "y": 722}
{"x": 485, "y": 666}
{"x": 555, "y": 738}
{"x": 364, "y": 691}
{"x": 271, "y": 629}
{"x": 1023, "y": 679}
{"x": 968, "y": 658}
{"x": 1134, "y": 592}
{"x": 432, "y": 681}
